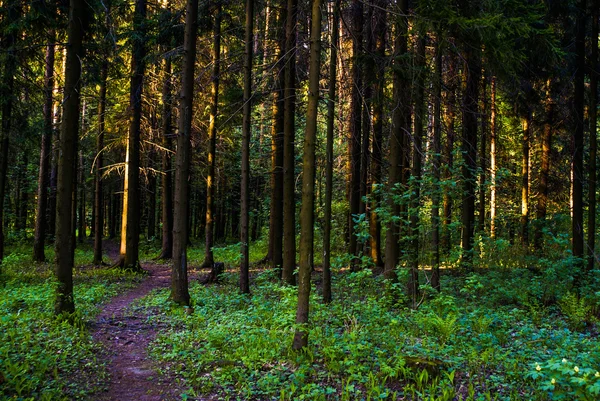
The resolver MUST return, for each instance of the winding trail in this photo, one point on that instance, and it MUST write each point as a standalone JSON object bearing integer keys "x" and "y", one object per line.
{"x": 126, "y": 335}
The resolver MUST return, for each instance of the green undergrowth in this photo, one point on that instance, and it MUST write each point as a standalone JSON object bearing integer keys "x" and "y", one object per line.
{"x": 43, "y": 357}
{"x": 468, "y": 343}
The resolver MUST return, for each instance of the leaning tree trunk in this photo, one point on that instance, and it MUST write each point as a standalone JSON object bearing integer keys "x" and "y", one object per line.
{"x": 69, "y": 133}
{"x": 212, "y": 145}
{"x": 289, "y": 110}
{"x": 130, "y": 223}
{"x": 307, "y": 213}
{"x": 44, "y": 173}
{"x": 246, "y": 129}
{"x": 329, "y": 154}
{"x": 400, "y": 125}
{"x": 591, "y": 236}
{"x": 179, "y": 278}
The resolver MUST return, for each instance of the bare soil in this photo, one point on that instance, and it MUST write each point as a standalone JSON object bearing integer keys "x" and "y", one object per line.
{"x": 125, "y": 336}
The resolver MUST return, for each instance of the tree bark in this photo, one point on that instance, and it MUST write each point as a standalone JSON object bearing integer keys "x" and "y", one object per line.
{"x": 437, "y": 159}
{"x": 166, "y": 180}
{"x": 308, "y": 182}
{"x": 246, "y": 130}
{"x": 483, "y": 158}
{"x": 400, "y": 125}
{"x": 289, "y": 128}
{"x": 445, "y": 241}
{"x": 493, "y": 139}
{"x": 526, "y": 121}
{"x": 69, "y": 130}
{"x": 179, "y": 275}
{"x": 327, "y": 297}
{"x": 44, "y": 173}
{"x": 591, "y": 235}
{"x": 99, "y": 164}
{"x": 130, "y": 223}
{"x": 212, "y": 142}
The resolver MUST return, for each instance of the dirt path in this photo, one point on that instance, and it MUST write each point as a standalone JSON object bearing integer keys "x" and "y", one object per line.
{"x": 126, "y": 335}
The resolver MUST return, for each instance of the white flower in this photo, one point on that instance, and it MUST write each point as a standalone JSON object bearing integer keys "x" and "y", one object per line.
{"x": 538, "y": 367}
{"x": 576, "y": 369}
{"x": 564, "y": 360}
{"x": 597, "y": 374}
{"x": 553, "y": 381}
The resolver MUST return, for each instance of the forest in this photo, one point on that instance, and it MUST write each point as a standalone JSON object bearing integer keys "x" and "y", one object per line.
{"x": 299, "y": 200}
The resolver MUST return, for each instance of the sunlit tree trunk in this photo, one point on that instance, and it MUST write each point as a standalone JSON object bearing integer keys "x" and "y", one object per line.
{"x": 526, "y": 121}
{"x": 483, "y": 157}
{"x": 289, "y": 199}
{"x": 400, "y": 125}
{"x": 329, "y": 153}
{"x": 437, "y": 158}
{"x": 308, "y": 182}
{"x": 68, "y": 138}
{"x": 212, "y": 141}
{"x": 493, "y": 140}
{"x": 130, "y": 217}
{"x": 44, "y": 173}
{"x": 591, "y": 235}
{"x": 179, "y": 277}
{"x": 246, "y": 128}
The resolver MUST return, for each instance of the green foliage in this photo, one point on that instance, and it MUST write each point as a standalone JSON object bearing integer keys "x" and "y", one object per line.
{"x": 43, "y": 357}
{"x": 565, "y": 380}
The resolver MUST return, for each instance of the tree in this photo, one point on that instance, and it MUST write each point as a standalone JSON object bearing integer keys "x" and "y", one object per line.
{"x": 308, "y": 181}
{"x": 166, "y": 182}
{"x": 179, "y": 279}
{"x": 591, "y": 237}
{"x": 130, "y": 220}
{"x": 246, "y": 128}
{"x": 289, "y": 128}
{"x": 69, "y": 132}
{"x": 212, "y": 139}
{"x": 44, "y": 172}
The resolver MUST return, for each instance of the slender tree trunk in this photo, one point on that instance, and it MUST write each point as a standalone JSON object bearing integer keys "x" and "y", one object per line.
{"x": 10, "y": 69}
{"x": 99, "y": 195}
{"x": 246, "y": 128}
{"x": 591, "y": 235}
{"x": 493, "y": 158}
{"x": 380, "y": 32}
{"x": 578, "y": 174}
{"x": 130, "y": 217}
{"x": 400, "y": 125}
{"x": 417, "y": 168}
{"x": 81, "y": 226}
{"x": 64, "y": 302}
{"x": 212, "y": 139}
{"x": 469, "y": 150}
{"x": 44, "y": 173}
{"x": 525, "y": 181}
{"x": 483, "y": 158}
{"x": 179, "y": 278}
{"x": 308, "y": 181}
{"x": 329, "y": 154}
{"x": 437, "y": 159}
{"x": 446, "y": 237}
{"x": 166, "y": 180}
{"x": 355, "y": 125}
{"x": 289, "y": 128}
{"x": 276, "y": 207}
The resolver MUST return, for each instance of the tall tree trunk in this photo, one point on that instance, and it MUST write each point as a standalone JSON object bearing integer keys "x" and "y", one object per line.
{"x": 10, "y": 69}
{"x": 289, "y": 133}
{"x": 578, "y": 174}
{"x": 166, "y": 180}
{"x": 437, "y": 159}
{"x": 246, "y": 130}
{"x": 379, "y": 32}
{"x": 308, "y": 181}
{"x": 130, "y": 217}
{"x": 212, "y": 138}
{"x": 445, "y": 241}
{"x": 493, "y": 139}
{"x": 99, "y": 193}
{"x": 417, "y": 168}
{"x": 329, "y": 153}
{"x": 179, "y": 277}
{"x": 525, "y": 181}
{"x": 64, "y": 249}
{"x": 355, "y": 125}
{"x": 400, "y": 125}
{"x": 44, "y": 173}
{"x": 469, "y": 150}
{"x": 591, "y": 236}
{"x": 276, "y": 207}
{"x": 81, "y": 226}
{"x": 483, "y": 158}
